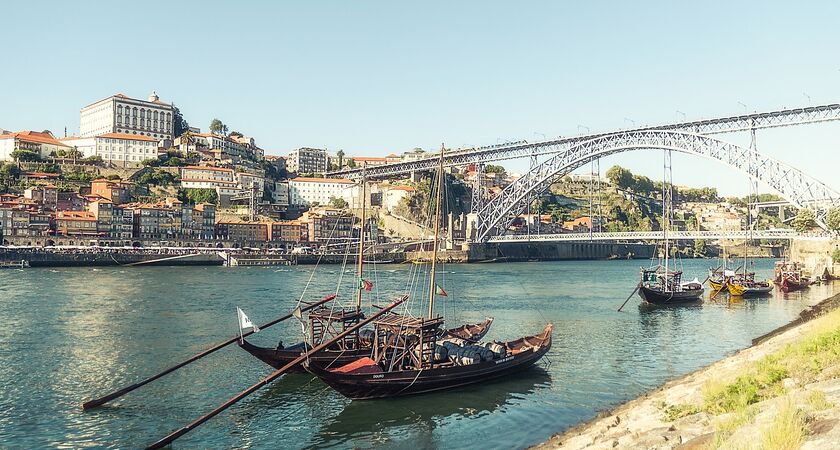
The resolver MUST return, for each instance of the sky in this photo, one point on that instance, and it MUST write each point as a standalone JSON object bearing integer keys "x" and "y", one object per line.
{"x": 374, "y": 78}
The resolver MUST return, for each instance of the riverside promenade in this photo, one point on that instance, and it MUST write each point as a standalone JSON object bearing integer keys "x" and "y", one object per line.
{"x": 782, "y": 392}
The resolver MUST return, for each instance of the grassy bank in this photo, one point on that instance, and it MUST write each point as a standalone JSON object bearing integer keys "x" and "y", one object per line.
{"x": 783, "y": 393}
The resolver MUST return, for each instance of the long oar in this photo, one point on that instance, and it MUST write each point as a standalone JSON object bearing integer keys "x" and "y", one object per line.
{"x": 630, "y": 296}
{"x": 184, "y": 430}
{"x": 710, "y": 275}
{"x": 117, "y": 394}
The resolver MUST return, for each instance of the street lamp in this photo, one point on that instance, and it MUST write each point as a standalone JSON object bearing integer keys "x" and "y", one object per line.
{"x": 631, "y": 121}
{"x": 584, "y": 127}
{"x": 681, "y": 113}
{"x": 745, "y": 106}
{"x": 808, "y": 97}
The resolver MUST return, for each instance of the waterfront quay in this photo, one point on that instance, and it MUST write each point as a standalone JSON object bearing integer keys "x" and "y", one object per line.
{"x": 231, "y": 256}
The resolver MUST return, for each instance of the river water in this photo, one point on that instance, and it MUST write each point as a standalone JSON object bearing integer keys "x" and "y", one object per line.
{"x": 70, "y": 334}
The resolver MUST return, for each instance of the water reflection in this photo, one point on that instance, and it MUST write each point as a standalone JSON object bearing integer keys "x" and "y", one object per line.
{"x": 377, "y": 421}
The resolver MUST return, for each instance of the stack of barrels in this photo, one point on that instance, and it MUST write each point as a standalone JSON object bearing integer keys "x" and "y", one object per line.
{"x": 462, "y": 353}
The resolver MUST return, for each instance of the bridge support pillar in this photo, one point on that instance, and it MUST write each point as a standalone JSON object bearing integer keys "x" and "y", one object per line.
{"x": 782, "y": 213}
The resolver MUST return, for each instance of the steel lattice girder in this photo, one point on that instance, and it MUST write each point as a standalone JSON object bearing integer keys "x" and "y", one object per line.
{"x": 795, "y": 186}
{"x": 657, "y": 235}
{"x": 522, "y": 149}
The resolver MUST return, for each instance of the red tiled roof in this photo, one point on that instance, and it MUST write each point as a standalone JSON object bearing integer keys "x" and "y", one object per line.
{"x": 34, "y": 137}
{"x": 75, "y": 215}
{"x": 220, "y": 169}
{"x": 39, "y": 175}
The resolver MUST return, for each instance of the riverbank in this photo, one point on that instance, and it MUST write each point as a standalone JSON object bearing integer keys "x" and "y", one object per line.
{"x": 783, "y": 392}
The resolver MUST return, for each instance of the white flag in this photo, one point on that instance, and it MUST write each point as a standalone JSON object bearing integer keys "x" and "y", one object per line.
{"x": 244, "y": 321}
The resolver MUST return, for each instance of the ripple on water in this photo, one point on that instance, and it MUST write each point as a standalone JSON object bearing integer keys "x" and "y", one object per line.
{"x": 86, "y": 332}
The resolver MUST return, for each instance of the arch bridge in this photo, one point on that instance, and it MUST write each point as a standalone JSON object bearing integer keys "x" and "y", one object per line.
{"x": 793, "y": 185}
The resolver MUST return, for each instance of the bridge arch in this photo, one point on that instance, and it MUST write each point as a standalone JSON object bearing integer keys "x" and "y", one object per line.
{"x": 792, "y": 184}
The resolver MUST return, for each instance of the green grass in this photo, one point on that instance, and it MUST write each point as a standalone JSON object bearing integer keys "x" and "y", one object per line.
{"x": 787, "y": 431}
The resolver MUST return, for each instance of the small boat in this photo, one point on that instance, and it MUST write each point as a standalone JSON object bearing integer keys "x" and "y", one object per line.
{"x": 662, "y": 287}
{"x": 22, "y": 264}
{"x": 280, "y": 356}
{"x": 367, "y": 378}
{"x": 789, "y": 276}
{"x": 744, "y": 285}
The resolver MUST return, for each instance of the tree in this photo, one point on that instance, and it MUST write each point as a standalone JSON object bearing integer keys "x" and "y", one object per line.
{"x": 25, "y": 155}
{"x": 804, "y": 220}
{"x": 338, "y": 202}
{"x": 217, "y": 127}
{"x": 492, "y": 168}
{"x": 832, "y": 219}
{"x": 340, "y": 155}
{"x": 179, "y": 124}
{"x": 620, "y": 177}
{"x": 351, "y": 163}
{"x": 198, "y": 196}
{"x": 699, "y": 247}
{"x": 235, "y": 133}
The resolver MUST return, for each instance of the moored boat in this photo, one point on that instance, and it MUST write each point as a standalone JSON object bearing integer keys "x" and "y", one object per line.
{"x": 745, "y": 285}
{"x": 280, "y": 356}
{"x": 789, "y": 276}
{"x": 661, "y": 287}
{"x": 366, "y": 378}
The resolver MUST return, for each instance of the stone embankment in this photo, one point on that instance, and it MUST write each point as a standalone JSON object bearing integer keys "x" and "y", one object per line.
{"x": 781, "y": 393}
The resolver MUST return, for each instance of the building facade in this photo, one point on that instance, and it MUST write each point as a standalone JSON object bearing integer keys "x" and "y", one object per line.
{"x": 304, "y": 191}
{"x": 44, "y": 144}
{"x": 307, "y": 160}
{"x": 121, "y": 114}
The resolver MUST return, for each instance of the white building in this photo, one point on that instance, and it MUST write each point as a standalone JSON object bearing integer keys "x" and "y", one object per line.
{"x": 247, "y": 181}
{"x": 307, "y": 160}
{"x": 305, "y": 191}
{"x": 393, "y": 195}
{"x": 116, "y": 148}
{"x": 42, "y": 143}
{"x": 204, "y": 177}
{"x": 122, "y": 114}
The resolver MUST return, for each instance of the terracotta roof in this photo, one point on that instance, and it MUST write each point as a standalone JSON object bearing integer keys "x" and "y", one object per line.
{"x": 401, "y": 188}
{"x": 322, "y": 180}
{"x": 369, "y": 158}
{"x": 220, "y": 169}
{"x": 76, "y": 215}
{"x": 39, "y": 175}
{"x": 34, "y": 137}
{"x": 128, "y": 137}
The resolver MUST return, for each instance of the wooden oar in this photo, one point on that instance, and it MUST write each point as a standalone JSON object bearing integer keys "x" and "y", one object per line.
{"x": 630, "y": 296}
{"x": 117, "y": 394}
{"x": 184, "y": 430}
{"x": 710, "y": 275}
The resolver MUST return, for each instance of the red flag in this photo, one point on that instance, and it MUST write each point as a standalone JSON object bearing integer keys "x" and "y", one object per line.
{"x": 365, "y": 284}
{"x": 439, "y": 291}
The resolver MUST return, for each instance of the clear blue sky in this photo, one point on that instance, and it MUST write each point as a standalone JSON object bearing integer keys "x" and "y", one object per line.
{"x": 378, "y": 77}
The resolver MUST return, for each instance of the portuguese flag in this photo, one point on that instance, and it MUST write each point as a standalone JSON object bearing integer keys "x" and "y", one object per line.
{"x": 365, "y": 284}
{"x": 439, "y": 291}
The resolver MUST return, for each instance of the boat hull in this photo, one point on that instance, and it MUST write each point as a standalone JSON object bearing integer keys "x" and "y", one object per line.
{"x": 411, "y": 382}
{"x": 788, "y": 285}
{"x": 278, "y": 358}
{"x": 669, "y": 298}
{"x": 749, "y": 291}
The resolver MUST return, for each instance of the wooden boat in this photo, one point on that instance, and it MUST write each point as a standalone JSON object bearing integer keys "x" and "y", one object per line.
{"x": 335, "y": 357}
{"x": 744, "y": 285}
{"x": 789, "y": 277}
{"x": 662, "y": 287}
{"x": 366, "y": 378}
{"x": 411, "y": 354}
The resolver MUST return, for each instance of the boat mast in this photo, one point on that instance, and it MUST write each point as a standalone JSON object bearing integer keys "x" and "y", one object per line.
{"x": 361, "y": 243}
{"x": 666, "y": 199}
{"x": 432, "y": 285}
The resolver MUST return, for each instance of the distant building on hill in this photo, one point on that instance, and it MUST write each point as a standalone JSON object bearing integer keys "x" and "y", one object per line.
{"x": 122, "y": 114}
{"x": 307, "y": 160}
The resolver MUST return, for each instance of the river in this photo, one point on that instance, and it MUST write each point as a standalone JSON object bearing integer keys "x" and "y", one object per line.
{"x": 68, "y": 335}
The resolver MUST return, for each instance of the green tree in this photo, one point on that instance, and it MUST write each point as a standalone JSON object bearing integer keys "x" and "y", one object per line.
{"x": 492, "y": 168}
{"x": 340, "y": 155}
{"x": 835, "y": 255}
{"x": 338, "y": 202}
{"x": 217, "y": 127}
{"x": 198, "y": 196}
{"x": 699, "y": 247}
{"x": 804, "y": 220}
{"x": 351, "y": 163}
{"x": 832, "y": 219}
{"x": 620, "y": 177}
{"x": 179, "y": 124}
{"x": 25, "y": 155}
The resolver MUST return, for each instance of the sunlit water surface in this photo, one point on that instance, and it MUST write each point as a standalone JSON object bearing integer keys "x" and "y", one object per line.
{"x": 69, "y": 334}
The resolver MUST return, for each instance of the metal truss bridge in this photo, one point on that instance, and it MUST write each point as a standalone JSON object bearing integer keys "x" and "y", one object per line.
{"x": 494, "y": 217}
{"x": 658, "y": 235}
{"x": 523, "y": 149}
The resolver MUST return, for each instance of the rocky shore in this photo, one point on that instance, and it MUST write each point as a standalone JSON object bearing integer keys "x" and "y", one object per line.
{"x": 781, "y": 393}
